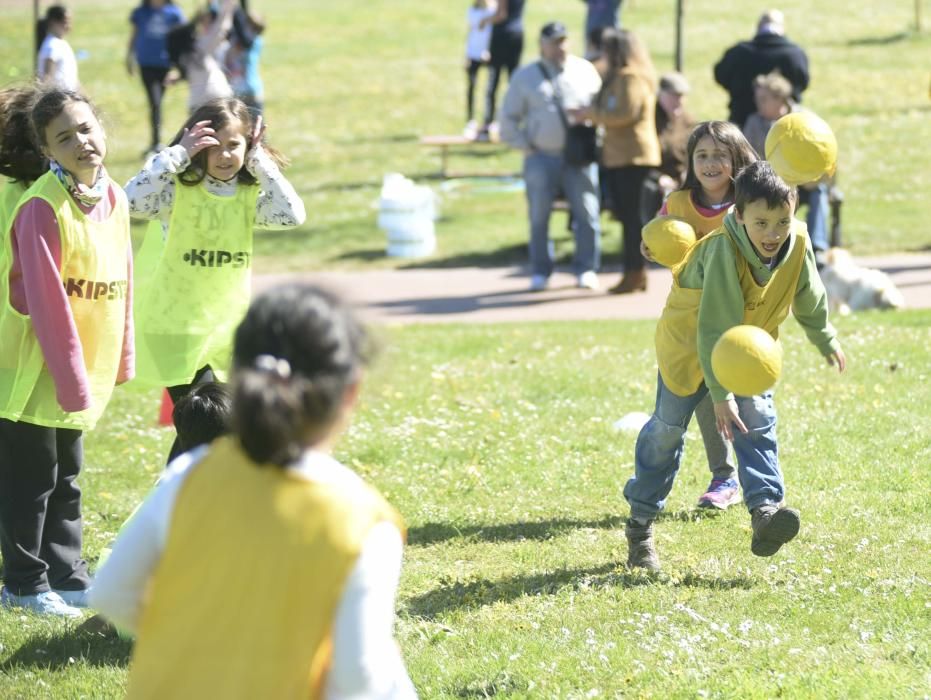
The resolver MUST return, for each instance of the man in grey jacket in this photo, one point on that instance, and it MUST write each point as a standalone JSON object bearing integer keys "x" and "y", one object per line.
{"x": 531, "y": 122}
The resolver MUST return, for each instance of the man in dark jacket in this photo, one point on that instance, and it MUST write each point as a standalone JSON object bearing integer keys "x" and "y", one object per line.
{"x": 769, "y": 50}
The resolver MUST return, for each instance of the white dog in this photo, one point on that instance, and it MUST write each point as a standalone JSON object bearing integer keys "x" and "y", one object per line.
{"x": 854, "y": 288}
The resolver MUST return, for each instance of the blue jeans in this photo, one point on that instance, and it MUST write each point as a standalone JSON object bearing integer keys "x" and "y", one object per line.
{"x": 817, "y": 217}
{"x": 545, "y": 177}
{"x": 662, "y": 440}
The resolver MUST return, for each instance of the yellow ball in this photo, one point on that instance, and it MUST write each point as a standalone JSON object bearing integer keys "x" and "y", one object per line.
{"x": 801, "y": 148}
{"x": 669, "y": 239}
{"x": 746, "y": 360}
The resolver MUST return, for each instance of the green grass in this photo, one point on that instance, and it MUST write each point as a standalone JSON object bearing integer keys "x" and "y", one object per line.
{"x": 496, "y": 443}
{"x": 352, "y": 85}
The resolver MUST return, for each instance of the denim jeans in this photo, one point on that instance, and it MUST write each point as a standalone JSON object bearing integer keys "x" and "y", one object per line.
{"x": 658, "y": 453}
{"x": 817, "y": 216}
{"x": 545, "y": 177}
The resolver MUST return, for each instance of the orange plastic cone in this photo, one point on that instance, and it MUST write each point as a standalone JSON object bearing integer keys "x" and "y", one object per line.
{"x": 164, "y": 413}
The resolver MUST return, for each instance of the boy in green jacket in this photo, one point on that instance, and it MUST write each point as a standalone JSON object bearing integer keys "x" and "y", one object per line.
{"x": 752, "y": 270}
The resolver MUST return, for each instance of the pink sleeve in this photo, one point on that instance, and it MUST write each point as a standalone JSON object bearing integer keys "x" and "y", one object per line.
{"x": 37, "y": 249}
{"x": 128, "y": 357}
{"x": 663, "y": 210}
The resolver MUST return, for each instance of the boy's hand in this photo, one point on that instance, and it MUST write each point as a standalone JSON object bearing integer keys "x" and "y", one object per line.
{"x": 725, "y": 413}
{"x": 838, "y": 359}
{"x": 198, "y": 137}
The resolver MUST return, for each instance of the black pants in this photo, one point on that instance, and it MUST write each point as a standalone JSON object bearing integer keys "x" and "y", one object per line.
{"x": 624, "y": 185}
{"x": 40, "y": 508}
{"x": 505, "y": 49}
{"x": 472, "y": 73}
{"x": 153, "y": 80}
{"x": 204, "y": 376}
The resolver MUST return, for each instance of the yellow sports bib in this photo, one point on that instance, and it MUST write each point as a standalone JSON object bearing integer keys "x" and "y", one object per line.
{"x": 93, "y": 272}
{"x": 765, "y": 306}
{"x": 680, "y": 204}
{"x": 193, "y": 286}
{"x": 10, "y": 195}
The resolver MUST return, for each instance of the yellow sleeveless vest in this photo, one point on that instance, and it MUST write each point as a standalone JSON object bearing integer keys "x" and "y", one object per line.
{"x": 10, "y": 194}
{"x": 680, "y": 204}
{"x": 93, "y": 272}
{"x": 193, "y": 287}
{"x": 243, "y": 600}
{"x": 766, "y": 307}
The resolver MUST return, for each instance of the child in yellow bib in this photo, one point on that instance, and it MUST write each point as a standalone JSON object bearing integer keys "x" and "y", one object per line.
{"x": 66, "y": 329}
{"x": 717, "y": 151}
{"x": 21, "y": 161}
{"x": 204, "y": 195}
{"x": 260, "y": 567}
{"x": 751, "y": 271}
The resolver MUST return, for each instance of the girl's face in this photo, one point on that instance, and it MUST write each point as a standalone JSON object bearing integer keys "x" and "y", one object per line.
{"x": 225, "y": 161}
{"x": 76, "y": 140}
{"x": 770, "y": 106}
{"x": 59, "y": 29}
{"x": 713, "y": 165}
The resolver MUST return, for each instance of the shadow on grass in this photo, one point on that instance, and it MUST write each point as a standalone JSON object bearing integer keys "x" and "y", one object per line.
{"x": 90, "y": 644}
{"x": 879, "y": 40}
{"x": 482, "y": 592}
{"x": 500, "y": 257}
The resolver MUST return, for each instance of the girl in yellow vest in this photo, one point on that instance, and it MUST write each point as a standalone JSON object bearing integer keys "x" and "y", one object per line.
{"x": 750, "y": 271}
{"x": 21, "y": 161}
{"x": 204, "y": 195}
{"x": 717, "y": 151}
{"x": 66, "y": 325}
{"x": 260, "y": 567}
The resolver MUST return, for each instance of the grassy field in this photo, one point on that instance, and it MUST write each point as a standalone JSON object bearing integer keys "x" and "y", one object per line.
{"x": 496, "y": 443}
{"x": 352, "y": 85}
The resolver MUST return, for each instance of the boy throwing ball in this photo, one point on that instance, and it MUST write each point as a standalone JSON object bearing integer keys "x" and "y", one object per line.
{"x": 752, "y": 270}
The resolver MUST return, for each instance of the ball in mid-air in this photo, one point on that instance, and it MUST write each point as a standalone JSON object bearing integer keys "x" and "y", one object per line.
{"x": 746, "y": 360}
{"x": 801, "y": 148}
{"x": 669, "y": 239}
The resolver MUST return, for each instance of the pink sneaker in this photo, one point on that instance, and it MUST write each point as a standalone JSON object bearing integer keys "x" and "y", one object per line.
{"x": 721, "y": 494}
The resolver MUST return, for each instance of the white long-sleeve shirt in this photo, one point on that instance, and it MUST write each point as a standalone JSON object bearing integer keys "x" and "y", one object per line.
{"x": 366, "y": 662}
{"x": 151, "y": 193}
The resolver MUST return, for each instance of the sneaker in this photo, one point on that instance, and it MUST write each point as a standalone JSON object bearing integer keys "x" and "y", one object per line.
{"x": 538, "y": 283}
{"x": 46, "y": 603}
{"x": 471, "y": 130}
{"x": 641, "y": 551}
{"x": 772, "y": 528}
{"x": 76, "y": 599}
{"x": 721, "y": 494}
{"x": 588, "y": 280}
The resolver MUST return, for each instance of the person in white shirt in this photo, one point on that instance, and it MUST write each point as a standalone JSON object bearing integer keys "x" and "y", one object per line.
{"x": 56, "y": 62}
{"x": 478, "y": 41}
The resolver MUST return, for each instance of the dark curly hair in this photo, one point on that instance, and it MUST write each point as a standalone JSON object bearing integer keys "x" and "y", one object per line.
{"x": 21, "y": 159}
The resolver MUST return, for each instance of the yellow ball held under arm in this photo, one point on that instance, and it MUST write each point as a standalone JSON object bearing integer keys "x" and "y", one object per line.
{"x": 801, "y": 148}
{"x": 746, "y": 360}
{"x": 669, "y": 238}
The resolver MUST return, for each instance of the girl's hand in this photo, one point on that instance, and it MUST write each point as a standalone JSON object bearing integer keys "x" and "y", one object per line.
{"x": 258, "y": 132}
{"x": 838, "y": 359}
{"x": 199, "y": 137}
{"x": 726, "y": 414}
{"x": 645, "y": 252}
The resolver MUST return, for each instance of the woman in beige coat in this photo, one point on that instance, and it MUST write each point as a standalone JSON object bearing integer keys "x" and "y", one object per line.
{"x": 626, "y": 109}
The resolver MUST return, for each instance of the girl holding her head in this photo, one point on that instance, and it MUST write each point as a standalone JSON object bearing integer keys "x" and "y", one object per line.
{"x": 717, "y": 152}
{"x": 66, "y": 324}
{"x": 204, "y": 194}
{"x": 56, "y": 63}
{"x": 260, "y": 566}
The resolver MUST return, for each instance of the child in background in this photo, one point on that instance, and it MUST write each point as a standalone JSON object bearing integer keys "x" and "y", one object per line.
{"x": 194, "y": 48}
{"x": 311, "y": 615}
{"x": 204, "y": 194}
{"x": 202, "y": 415}
{"x": 241, "y": 60}
{"x": 66, "y": 325}
{"x": 56, "y": 63}
{"x": 750, "y": 271}
{"x": 717, "y": 151}
{"x": 20, "y": 159}
{"x": 478, "y": 40}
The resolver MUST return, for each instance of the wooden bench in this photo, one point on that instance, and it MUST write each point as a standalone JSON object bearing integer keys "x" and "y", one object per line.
{"x": 445, "y": 143}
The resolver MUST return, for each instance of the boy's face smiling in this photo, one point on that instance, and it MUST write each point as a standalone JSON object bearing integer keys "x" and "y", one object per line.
{"x": 767, "y": 228}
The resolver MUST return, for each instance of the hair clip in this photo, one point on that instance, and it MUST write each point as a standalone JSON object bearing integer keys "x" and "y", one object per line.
{"x": 276, "y": 365}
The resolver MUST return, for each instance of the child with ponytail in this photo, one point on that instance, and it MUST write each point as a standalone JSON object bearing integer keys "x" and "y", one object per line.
{"x": 260, "y": 566}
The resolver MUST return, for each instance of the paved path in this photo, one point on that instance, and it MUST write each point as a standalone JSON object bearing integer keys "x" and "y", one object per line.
{"x": 494, "y": 294}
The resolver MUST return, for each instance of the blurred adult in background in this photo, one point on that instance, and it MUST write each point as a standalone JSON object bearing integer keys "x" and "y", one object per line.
{"x": 600, "y": 15}
{"x": 505, "y": 48}
{"x": 55, "y": 62}
{"x": 534, "y": 119}
{"x": 769, "y": 50}
{"x": 151, "y": 21}
{"x": 626, "y": 108}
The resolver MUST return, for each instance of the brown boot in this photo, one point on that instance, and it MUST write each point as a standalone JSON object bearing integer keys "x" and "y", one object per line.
{"x": 641, "y": 551}
{"x": 633, "y": 281}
